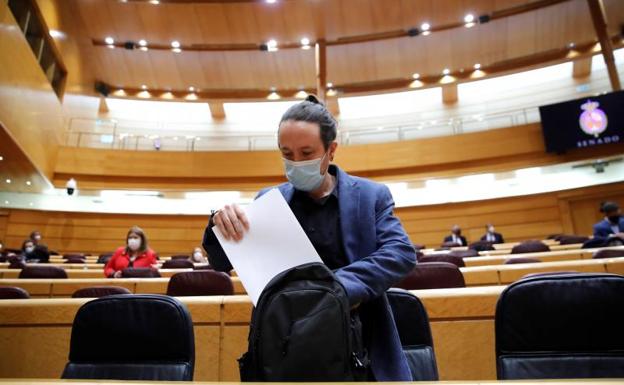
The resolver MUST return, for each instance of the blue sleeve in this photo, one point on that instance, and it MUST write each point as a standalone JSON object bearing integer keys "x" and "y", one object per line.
{"x": 600, "y": 231}
{"x": 394, "y": 258}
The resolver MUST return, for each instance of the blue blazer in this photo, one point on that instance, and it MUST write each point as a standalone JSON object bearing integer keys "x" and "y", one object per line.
{"x": 603, "y": 228}
{"x": 380, "y": 255}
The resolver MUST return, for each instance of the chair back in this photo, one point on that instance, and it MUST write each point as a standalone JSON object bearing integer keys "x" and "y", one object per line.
{"x": 609, "y": 253}
{"x": 566, "y": 325}
{"x": 200, "y": 282}
{"x": 143, "y": 337}
{"x": 433, "y": 275}
{"x": 412, "y": 323}
{"x": 455, "y": 260}
{"x": 530, "y": 247}
{"x": 12, "y": 292}
{"x": 99, "y": 291}
{"x": 177, "y": 264}
{"x": 42, "y": 272}
{"x": 514, "y": 260}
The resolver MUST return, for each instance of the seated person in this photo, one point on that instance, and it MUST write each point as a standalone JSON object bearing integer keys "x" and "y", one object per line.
{"x": 350, "y": 223}
{"x": 613, "y": 222}
{"x": 456, "y": 237}
{"x": 136, "y": 253}
{"x": 35, "y": 237}
{"x": 198, "y": 256}
{"x": 28, "y": 247}
{"x": 491, "y": 235}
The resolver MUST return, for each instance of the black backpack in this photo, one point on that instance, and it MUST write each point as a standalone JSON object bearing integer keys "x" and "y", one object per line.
{"x": 302, "y": 330}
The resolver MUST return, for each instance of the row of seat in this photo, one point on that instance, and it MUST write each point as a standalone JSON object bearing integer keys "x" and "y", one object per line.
{"x": 192, "y": 283}
{"x": 541, "y": 332}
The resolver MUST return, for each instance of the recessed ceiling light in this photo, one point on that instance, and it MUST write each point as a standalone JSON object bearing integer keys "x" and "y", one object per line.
{"x": 477, "y": 66}
{"x": 330, "y": 85}
{"x": 176, "y": 50}
{"x": 142, "y": 42}
{"x": 6, "y": 202}
{"x": 271, "y": 1}
{"x": 28, "y": 183}
{"x": 425, "y": 27}
{"x": 469, "y": 18}
{"x": 191, "y": 89}
{"x": 8, "y": 180}
{"x": 446, "y": 71}
{"x": 109, "y": 40}
{"x": 1, "y": 158}
{"x": 30, "y": 204}
{"x": 175, "y": 44}
{"x": 305, "y": 41}
{"x": 416, "y": 75}
{"x": 155, "y": 2}
{"x": 143, "y": 87}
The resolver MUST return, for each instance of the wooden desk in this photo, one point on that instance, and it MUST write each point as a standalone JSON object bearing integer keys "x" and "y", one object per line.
{"x": 52, "y": 288}
{"x": 546, "y": 256}
{"x": 88, "y": 273}
{"x": 504, "y": 274}
{"x": 462, "y": 323}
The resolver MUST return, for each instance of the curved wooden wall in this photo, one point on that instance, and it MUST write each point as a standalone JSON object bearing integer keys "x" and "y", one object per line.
{"x": 486, "y": 151}
{"x": 518, "y": 218}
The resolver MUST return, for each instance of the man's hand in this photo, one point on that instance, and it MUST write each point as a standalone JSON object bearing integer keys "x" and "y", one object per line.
{"x": 232, "y": 222}
{"x": 117, "y": 274}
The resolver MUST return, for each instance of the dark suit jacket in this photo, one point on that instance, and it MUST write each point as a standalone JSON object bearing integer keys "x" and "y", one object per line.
{"x": 380, "y": 255}
{"x": 498, "y": 238}
{"x": 450, "y": 239}
{"x": 603, "y": 228}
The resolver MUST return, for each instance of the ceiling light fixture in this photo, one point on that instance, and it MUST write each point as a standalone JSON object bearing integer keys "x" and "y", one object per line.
{"x": 469, "y": 20}
{"x": 425, "y": 28}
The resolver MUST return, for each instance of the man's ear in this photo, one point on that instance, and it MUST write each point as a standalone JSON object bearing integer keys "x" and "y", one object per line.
{"x": 332, "y": 150}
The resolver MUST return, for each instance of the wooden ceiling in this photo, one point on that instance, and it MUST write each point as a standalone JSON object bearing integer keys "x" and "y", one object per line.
{"x": 287, "y": 21}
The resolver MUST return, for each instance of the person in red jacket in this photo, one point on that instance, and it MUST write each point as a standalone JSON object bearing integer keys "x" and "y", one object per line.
{"x": 136, "y": 253}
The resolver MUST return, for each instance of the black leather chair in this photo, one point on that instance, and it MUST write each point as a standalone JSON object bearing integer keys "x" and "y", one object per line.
{"x": 11, "y": 292}
{"x": 42, "y": 272}
{"x": 433, "y": 275}
{"x": 104, "y": 258}
{"x": 454, "y": 259}
{"x": 99, "y": 291}
{"x": 571, "y": 239}
{"x": 412, "y": 324}
{"x": 200, "y": 282}
{"x": 177, "y": 264}
{"x": 609, "y": 253}
{"x": 464, "y": 253}
{"x": 530, "y": 247}
{"x": 180, "y": 256}
{"x": 515, "y": 260}
{"x": 566, "y": 325}
{"x": 481, "y": 246}
{"x": 144, "y": 337}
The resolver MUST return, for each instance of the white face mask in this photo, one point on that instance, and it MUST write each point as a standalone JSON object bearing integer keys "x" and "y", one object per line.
{"x": 37, "y": 237}
{"x": 305, "y": 175}
{"x": 29, "y": 249}
{"x": 198, "y": 256}
{"x": 491, "y": 230}
{"x": 134, "y": 243}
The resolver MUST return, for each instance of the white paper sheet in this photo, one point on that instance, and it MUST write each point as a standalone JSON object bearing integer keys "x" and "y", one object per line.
{"x": 275, "y": 242}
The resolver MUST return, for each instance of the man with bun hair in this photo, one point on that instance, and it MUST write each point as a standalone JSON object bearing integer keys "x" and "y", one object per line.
{"x": 349, "y": 221}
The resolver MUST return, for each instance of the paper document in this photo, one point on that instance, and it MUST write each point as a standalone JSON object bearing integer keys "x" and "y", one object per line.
{"x": 275, "y": 242}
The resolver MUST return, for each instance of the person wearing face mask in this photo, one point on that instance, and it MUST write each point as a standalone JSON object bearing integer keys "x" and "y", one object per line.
{"x": 136, "y": 253}
{"x": 35, "y": 237}
{"x": 198, "y": 256}
{"x": 349, "y": 221}
{"x": 491, "y": 235}
{"x": 613, "y": 223}
{"x": 456, "y": 237}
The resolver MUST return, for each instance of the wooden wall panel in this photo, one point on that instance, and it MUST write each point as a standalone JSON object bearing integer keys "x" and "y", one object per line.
{"x": 517, "y": 218}
{"x": 29, "y": 108}
{"x": 486, "y": 151}
{"x": 4, "y": 220}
